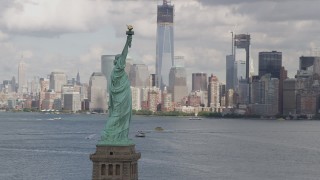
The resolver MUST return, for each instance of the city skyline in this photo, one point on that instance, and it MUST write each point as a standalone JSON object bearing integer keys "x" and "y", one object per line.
{"x": 50, "y": 41}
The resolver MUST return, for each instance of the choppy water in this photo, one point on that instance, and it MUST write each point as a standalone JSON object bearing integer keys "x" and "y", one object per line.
{"x": 36, "y": 146}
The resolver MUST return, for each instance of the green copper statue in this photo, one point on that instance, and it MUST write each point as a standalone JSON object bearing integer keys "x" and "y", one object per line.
{"x": 120, "y": 102}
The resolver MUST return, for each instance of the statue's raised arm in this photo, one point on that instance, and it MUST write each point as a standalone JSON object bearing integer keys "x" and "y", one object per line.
{"x": 121, "y": 58}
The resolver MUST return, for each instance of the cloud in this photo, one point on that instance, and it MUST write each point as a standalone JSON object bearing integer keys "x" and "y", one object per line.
{"x": 39, "y": 17}
{"x": 3, "y": 36}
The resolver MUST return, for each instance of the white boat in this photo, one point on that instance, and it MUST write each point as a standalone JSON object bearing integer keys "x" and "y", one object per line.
{"x": 195, "y": 118}
{"x": 140, "y": 134}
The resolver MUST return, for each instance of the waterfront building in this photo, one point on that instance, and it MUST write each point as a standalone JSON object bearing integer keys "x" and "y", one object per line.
{"x": 265, "y": 96}
{"x": 13, "y": 84}
{"x": 243, "y": 92}
{"x": 57, "y": 80}
{"x": 72, "y": 101}
{"x": 308, "y": 102}
{"x": 194, "y": 100}
{"x": 78, "y": 82}
{"x": 241, "y": 70}
{"x": 129, "y": 65}
{"x": 44, "y": 84}
{"x": 136, "y": 98}
{"x": 178, "y": 84}
{"x": 139, "y": 76}
{"x": 97, "y": 92}
{"x": 257, "y": 90}
{"x": 47, "y": 102}
{"x": 199, "y": 82}
{"x": 34, "y": 85}
{"x": 223, "y": 101}
{"x": 242, "y": 41}
{"x": 289, "y": 96}
{"x": 222, "y": 92}
{"x": 153, "y": 100}
{"x": 231, "y": 72}
{"x": 22, "y": 82}
{"x": 165, "y": 43}
{"x": 213, "y": 92}
{"x": 12, "y": 103}
{"x": 145, "y": 96}
{"x": 271, "y": 93}
{"x": 152, "y": 80}
{"x": 166, "y": 103}
{"x": 84, "y": 91}
{"x": 57, "y": 104}
{"x": 7, "y": 86}
{"x": 230, "y": 98}
{"x": 270, "y": 63}
{"x": 107, "y": 66}
{"x": 283, "y": 76}
{"x": 310, "y": 63}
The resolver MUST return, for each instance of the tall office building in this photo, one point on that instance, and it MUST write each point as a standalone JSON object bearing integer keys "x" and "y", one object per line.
{"x": 270, "y": 63}
{"x": 283, "y": 76}
{"x": 222, "y": 94}
{"x": 13, "y": 84}
{"x": 139, "y": 76}
{"x": 44, "y": 84}
{"x": 107, "y": 66}
{"x": 199, "y": 82}
{"x": 72, "y": 101}
{"x": 230, "y": 98}
{"x": 241, "y": 69}
{"x": 265, "y": 95}
{"x": 243, "y": 92}
{"x": 152, "y": 80}
{"x": 178, "y": 84}
{"x": 78, "y": 82}
{"x": 57, "y": 80}
{"x": 213, "y": 92}
{"x": 136, "y": 98}
{"x": 310, "y": 63}
{"x": 166, "y": 101}
{"x": 153, "y": 99}
{"x": 231, "y": 72}
{"x": 242, "y": 41}
{"x": 22, "y": 83}
{"x": 256, "y": 90}
{"x": 97, "y": 92}
{"x": 165, "y": 43}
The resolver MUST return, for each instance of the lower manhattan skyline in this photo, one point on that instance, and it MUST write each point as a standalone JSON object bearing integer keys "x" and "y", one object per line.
{"x": 51, "y": 41}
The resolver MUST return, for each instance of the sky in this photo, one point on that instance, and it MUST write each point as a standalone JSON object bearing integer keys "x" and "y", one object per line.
{"x": 71, "y": 35}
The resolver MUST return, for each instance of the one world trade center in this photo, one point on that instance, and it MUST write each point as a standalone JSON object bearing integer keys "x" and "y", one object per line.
{"x": 165, "y": 46}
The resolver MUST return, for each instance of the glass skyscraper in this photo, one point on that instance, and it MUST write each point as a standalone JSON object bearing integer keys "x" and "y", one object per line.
{"x": 165, "y": 46}
{"x": 270, "y": 62}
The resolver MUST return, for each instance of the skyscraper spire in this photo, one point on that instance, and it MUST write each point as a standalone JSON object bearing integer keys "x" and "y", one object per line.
{"x": 78, "y": 78}
{"x": 22, "y": 85}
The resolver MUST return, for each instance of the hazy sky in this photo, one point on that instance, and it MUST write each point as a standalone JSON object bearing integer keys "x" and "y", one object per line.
{"x": 71, "y": 35}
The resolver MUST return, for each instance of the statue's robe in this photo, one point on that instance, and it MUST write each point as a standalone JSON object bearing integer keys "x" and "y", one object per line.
{"x": 120, "y": 104}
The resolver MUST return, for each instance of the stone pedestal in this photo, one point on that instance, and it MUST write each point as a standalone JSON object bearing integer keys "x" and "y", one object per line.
{"x": 115, "y": 163}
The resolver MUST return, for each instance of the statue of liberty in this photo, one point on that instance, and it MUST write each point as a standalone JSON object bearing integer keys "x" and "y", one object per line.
{"x": 120, "y": 102}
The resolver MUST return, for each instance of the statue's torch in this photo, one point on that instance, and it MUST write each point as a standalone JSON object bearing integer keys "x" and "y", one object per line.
{"x": 130, "y": 32}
